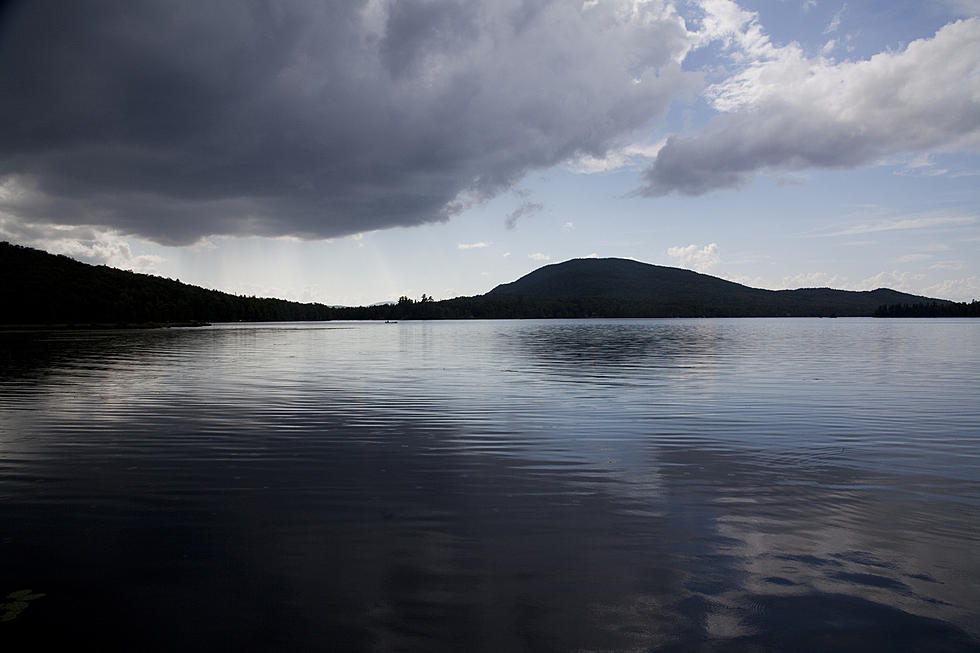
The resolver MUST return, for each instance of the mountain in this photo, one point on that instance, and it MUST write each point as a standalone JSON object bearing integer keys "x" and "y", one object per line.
{"x": 41, "y": 288}
{"x": 622, "y": 287}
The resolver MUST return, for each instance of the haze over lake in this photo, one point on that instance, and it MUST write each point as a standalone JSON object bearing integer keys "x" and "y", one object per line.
{"x": 753, "y": 484}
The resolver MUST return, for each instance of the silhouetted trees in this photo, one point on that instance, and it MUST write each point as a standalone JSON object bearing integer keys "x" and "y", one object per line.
{"x": 41, "y": 288}
{"x": 930, "y": 309}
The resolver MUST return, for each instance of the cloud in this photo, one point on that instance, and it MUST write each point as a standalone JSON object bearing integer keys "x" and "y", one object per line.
{"x": 738, "y": 30}
{"x": 753, "y": 281}
{"x": 783, "y": 112}
{"x": 912, "y": 258}
{"x": 314, "y": 119}
{"x": 835, "y": 21}
{"x": 95, "y": 246}
{"x": 813, "y": 280}
{"x": 904, "y": 223}
{"x": 538, "y": 256}
{"x": 896, "y": 280}
{"x": 960, "y": 290}
{"x": 527, "y": 208}
{"x": 615, "y": 159}
{"x": 921, "y": 165}
{"x": 947, "y": 265}
{"x": 479, "y": 245}
{"x": 695, "y": 257}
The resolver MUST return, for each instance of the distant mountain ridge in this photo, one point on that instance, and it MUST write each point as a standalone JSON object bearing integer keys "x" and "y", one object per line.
{"x": 41, "y": 288}
{"x": 597, "y": 277}
{"x": 668, "y": 292}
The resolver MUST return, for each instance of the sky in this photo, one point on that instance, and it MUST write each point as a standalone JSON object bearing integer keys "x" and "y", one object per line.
{"x": 353, "y": 152}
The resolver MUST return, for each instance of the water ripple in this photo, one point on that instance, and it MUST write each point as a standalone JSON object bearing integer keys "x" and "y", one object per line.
{"x": 570, "y": 484}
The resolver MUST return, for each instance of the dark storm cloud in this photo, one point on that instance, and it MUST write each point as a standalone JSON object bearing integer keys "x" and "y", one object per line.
{"x": 174, "y": 121}
{"x": 526, "y": 208}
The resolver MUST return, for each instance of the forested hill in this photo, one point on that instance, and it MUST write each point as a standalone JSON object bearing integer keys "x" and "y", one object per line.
{"x": 42, "y": 288}
{"x": 625, "y": 287}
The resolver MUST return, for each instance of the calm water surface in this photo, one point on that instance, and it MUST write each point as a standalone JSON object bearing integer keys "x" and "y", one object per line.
{"x": 669, "y": 485}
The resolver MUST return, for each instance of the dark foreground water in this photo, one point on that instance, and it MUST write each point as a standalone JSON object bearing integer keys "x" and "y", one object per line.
{"x": 669, "y": 485}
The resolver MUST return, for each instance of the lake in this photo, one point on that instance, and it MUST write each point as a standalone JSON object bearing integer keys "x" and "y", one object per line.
{"x": 668, "y": 485}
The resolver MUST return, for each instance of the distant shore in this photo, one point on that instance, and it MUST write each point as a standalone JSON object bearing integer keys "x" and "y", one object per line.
{"x": 42, "y": 290}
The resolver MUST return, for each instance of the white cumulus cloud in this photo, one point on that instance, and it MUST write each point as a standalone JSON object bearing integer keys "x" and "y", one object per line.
{"x": 960, "y": 290}
{"x": 783, "y": 111}
{"x": 696, "y": 257}
{"x": 895, "y": 279}
{"x": 86, "y": 244}
{"x": 813, "y": 280}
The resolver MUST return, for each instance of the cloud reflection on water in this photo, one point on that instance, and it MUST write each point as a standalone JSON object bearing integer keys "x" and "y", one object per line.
{"x": 251, "y": 477}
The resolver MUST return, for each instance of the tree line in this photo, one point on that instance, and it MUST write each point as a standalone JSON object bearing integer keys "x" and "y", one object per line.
{"x": 931, "y": 309}
{"x": 41, "y": 288}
